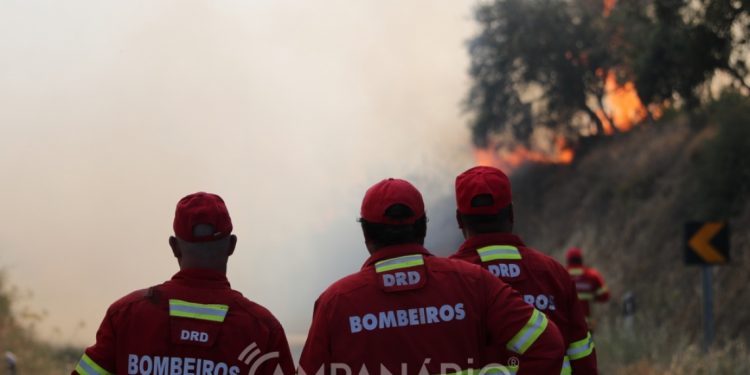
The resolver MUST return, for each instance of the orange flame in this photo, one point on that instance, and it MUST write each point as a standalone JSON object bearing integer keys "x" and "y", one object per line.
{"x": 622, "y": 103}
{"x": 622, "y": 106}
{"x": 626, "y": 107}
{"x": 487, "y": 157}
{"x": 510, "y": 159}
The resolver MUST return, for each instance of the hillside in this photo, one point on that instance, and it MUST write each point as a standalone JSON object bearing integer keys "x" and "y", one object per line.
{"x": 624, "y": 200}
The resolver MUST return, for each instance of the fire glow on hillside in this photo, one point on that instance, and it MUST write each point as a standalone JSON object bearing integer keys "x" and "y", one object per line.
{"x": 622, "y": 111}
{"x": 509, "y": 159}
{"x": 622, "y": 105}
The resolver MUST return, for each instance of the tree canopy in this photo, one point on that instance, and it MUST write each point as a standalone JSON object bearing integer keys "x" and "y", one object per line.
{"x": 544, "y": 64}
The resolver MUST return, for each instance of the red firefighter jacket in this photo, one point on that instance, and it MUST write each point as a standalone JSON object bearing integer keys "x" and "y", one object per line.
{"x": 407, "y": 311}
{"x": 544, "y": 284}
{"x": 192, "y": 324}
{"x": 590, "y": 286}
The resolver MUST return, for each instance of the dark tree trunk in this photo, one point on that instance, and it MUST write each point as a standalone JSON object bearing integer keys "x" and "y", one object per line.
{"x": 600, "y": 101}
{"x": 738, "y": 77}
{"x": 592, "y": 115}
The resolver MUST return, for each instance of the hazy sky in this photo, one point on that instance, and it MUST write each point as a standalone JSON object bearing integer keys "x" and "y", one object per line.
{"x": 112, "y": 111}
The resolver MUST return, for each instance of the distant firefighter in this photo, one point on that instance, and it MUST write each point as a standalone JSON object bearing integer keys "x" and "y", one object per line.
{"x": 589, "y": 283}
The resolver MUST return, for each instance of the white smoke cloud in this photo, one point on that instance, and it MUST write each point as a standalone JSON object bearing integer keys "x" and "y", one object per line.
{"x": 289, "y": 110}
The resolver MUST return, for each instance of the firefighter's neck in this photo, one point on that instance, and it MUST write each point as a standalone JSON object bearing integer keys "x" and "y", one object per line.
{"x": 187, "y": 263}
{"x": 372, "y": 247}
{"x": 209, "y": 255}
{"x": 473, "y": 231}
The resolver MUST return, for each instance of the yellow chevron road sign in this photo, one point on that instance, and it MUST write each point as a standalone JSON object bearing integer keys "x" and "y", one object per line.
{"x": 707, "y": 242}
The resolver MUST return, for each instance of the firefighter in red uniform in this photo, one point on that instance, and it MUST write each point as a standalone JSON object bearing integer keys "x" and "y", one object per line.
{"x": 589, "y": 283}
{"x": 485, "y": 216}
{"x": 407, "y": 312}
{"x": 194, "y": 323}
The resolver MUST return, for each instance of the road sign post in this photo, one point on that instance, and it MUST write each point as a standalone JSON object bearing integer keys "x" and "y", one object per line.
{"x": 708, "y": 307}
{"x": 707, "y": 244}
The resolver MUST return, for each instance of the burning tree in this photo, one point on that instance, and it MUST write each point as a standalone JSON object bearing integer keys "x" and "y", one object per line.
{"x": 546, "y": 70}
{"x": 538, "y": 63}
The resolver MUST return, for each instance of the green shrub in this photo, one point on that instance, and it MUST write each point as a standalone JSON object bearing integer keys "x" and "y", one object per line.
{"x": 722, "y": 167}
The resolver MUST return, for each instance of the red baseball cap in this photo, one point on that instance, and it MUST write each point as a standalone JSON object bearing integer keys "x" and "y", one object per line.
{"x": 387, "y": 193}
{"x": 574, "y": 252}
{"x": 201, "y": 208}
{"x": 482, "y": 181}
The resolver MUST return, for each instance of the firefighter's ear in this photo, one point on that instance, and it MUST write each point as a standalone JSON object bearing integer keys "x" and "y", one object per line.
{"x": 232, "y": 244}
{"x": 175, "y": 247}
{"x": 459, "y": 220}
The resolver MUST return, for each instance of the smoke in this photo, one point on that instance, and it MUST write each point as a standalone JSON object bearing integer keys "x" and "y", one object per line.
{"x": 289, "y": 110}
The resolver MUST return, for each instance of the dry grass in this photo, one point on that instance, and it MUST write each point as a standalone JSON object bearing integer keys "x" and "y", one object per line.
{"x": 645, "y": 349}
{"x": 625, "y": 202}
{"x": 35, "y": 357}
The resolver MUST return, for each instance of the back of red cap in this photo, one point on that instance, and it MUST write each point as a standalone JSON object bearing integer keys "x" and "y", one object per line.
{"x": 480, "y": 181}
{"x": 387, "y": 193}
{"x": 201, "y": 209}
{"x": 574, "y": 253}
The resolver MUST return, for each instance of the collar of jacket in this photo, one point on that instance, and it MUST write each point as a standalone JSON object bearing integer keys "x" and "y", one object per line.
{"x": 202, "y": 278}
{"x": 487, "y": 239}
{"x": 395, "y": 251}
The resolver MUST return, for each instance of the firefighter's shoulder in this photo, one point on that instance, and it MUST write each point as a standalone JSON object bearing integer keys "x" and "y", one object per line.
{"x": 455, "y": 266}
{"x": 125, "y": 304}
{"x": 131, "y": 298}
{"x": 349, "y": 285}
{"x": 593, "y": 272}
{"x": 469, "y": 256}
{"x": 252, "y": 317}
{"x": 472, "y": 275}
{"x": 251, "y": 308}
